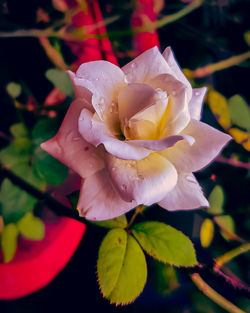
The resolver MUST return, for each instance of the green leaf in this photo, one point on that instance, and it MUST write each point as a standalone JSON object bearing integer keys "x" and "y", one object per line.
{"x": 73, "y": 198}
{"x": 247, "y": 37}
{"x": 165, "y": 243}
{"x": 118, "y": 222}
{"x": 9, "y": 241}
{"x": 218, "y": 105}
{"x": 164, "y": 277}
{"x": 14, "y": 89}
{"x": 18, "y": 151}
{"x": 15, "y": 202}
{"x": 206, "y": 232}
{"x": 28, "y": 174}
{"x": 31, "y": 227}
{"x": 44, "y": 130}
{"x": 239, "y": 111}
{"x": 216, "y": 200}
{"x": 227, "y": 225}
{"x": 53, "y": 171}
{"x": 61, "y": 80}
{"x": 19, "y": 130}
{"x": 121, "y": 267}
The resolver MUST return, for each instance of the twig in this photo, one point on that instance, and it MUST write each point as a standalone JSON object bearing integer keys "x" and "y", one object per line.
{"x": 228, "y": 256}
{"x": 51, "y": 202}
{"x": 139, "y": 209}
{"x": 213, "y": 295}
{"x": 232, "y": 162}
{"x": 212, "y": 68}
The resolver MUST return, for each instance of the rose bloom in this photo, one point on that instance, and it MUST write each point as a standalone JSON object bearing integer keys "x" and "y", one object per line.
{"x": 134, "y": 136}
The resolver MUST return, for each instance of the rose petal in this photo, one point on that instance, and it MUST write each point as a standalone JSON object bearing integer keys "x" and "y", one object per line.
{"x": 133, "y": 98}
{"x": 103, "y": 79}
{"x": 146, "y": 181}
{"x": 176, "y": 70}
{"x": 99, "y": 200}
{"x": 176, "y": 116}
{"x": 186, "y": 195}
{"x": 208, "y": 143}
{"x": 96, "y": 133}
{"x": 162, "y": 144}
{"x": 70, "y": 148}
{"x": 146, "y": 123}
{"x": 196, "y": 102}
{"x": 146, "y": 66}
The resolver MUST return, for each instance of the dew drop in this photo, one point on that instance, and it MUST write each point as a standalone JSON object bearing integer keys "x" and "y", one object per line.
{"x": 124, "y": 187}
{"x": 197, "y": 93}
{"x": 113, "y": 169}
{"x": 81, "y": 119}
{"x": 97, "y": 79}
{"x": 134, "y": 65}
{"x": 174, "y": 93}
{"x": 125, "y": 80}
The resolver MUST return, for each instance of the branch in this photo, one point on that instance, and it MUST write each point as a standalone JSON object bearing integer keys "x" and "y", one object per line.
{"x": 212, "y": 68}
{"x": 228, "y": 256}
{"x": 213, "y": 295}
{"x": 232, "y": 162}
{"x": 51, "y": 202}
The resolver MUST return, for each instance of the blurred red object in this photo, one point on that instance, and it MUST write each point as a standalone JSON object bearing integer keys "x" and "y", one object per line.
{"x": 90, "y": 49}
{"x": 86, "y": 50}
{"x": 142, "y": 16}
{"x": 37, "y": 263}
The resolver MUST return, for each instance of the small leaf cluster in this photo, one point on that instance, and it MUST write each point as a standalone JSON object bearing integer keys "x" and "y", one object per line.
{"x": 24, "y": 157}
{"x": 233, "y": 115}
{"x": 224, "y": 221}
{"x": 122, "y": 266}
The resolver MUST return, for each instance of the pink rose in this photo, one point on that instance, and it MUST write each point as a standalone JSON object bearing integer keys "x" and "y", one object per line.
{"x": 134, "y": 136}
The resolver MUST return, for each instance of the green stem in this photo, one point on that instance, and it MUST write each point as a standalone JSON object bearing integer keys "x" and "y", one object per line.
{"x": 139, "y": 209}
{"x": 150, "y": 27}
{"x": 228, "y": 256}
{"x": 178, "y": 15}
{"x": 212, "y": 68}
{"x": 213, "y": 295}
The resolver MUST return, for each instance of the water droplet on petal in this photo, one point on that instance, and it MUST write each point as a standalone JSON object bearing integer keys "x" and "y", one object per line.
{"x": 174, "y": 93}
{"x": 97, "y": 79}
{"x": 124, "y": 187}
{"x": 197, "y": 93}
{"x": 76, "y": 138}
{"x": 81, "y": 119}
{"x": 125, "y": 80}
{"x": 134, "y": 65}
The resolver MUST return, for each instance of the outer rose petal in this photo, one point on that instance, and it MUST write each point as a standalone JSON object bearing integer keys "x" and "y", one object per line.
{"x": 102, "y": 79}
{"x": 99, "y": 200}
{"x": 177, "y": 114}
{"x": 70, "y": 148}
{"x": 208, "y": 143}
{"x": 186, "y": 195}
{"x": 146, "y": 66}
{"x": 146, "y": 181}
{"x": 96, "y": 133}
{"x": 177, "y": 72}
{"x": 196, "y": 103}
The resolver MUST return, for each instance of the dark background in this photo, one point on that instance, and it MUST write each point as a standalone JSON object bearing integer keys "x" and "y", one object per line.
{"x": 211, "y": 33}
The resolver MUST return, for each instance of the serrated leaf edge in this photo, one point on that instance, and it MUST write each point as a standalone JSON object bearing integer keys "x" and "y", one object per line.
{"x": 158, "y": 259}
